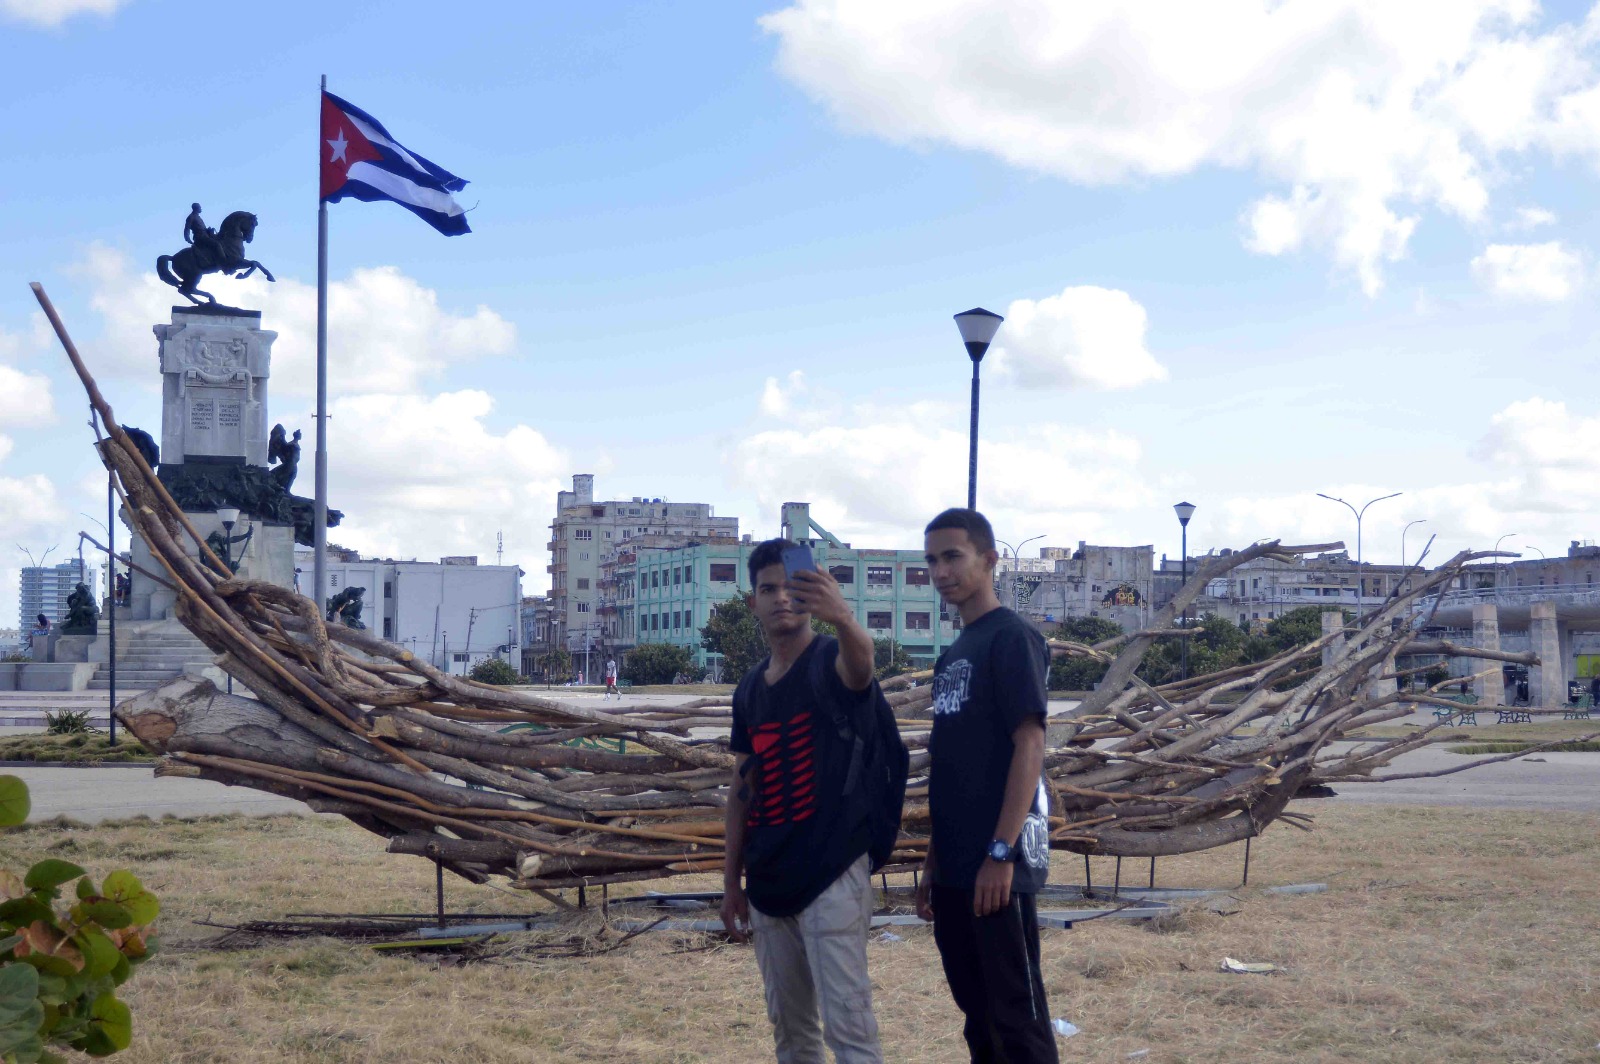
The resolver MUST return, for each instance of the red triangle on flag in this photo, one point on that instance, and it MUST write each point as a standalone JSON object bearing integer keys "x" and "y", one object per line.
{"x": 343, "y": 144}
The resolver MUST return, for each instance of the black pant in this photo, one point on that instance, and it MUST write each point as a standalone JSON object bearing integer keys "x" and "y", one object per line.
{"x": 992, "y": 965}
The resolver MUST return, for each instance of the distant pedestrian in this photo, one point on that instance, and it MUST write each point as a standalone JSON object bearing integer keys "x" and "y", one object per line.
{"x": 611, "y": 680}
{"x": 990, "y": 850}
{"x": 1594, "y": 690}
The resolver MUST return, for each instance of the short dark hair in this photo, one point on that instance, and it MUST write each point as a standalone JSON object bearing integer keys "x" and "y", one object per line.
{"x": 768, "y": 552}
{"x": 974, "y": 524}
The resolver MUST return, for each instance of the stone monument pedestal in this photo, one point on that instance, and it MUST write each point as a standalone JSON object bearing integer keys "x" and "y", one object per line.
{"x": 269, "y": 555}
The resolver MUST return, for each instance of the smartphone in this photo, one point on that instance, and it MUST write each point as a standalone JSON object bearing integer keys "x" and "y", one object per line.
{"x": 796, "y": 559}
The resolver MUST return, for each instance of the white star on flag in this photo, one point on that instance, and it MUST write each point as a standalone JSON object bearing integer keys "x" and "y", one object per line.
{"x": 338, "y": 147}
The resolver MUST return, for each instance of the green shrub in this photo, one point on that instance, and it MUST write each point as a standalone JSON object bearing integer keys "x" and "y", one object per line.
{"x": 67, "y": 722}
{"x": 495, "y": 671}
{"x": 655, "y": 663}
{"x": 59, "y": 968}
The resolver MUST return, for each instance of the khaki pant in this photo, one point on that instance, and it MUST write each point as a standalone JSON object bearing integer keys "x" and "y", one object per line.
{"x": 819, "y": 957}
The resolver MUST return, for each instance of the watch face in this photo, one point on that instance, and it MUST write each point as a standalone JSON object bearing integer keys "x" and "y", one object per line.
{"x": 999, "y": 851}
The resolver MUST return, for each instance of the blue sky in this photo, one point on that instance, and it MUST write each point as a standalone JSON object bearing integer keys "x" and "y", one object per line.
{"x": 1287, "y": 248}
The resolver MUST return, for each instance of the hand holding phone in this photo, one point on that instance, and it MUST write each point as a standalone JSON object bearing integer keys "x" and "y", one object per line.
{"x": 796, "y": 559}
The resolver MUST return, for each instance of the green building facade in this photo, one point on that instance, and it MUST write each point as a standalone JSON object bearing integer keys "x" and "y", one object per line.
{"x": 670, "y": 591}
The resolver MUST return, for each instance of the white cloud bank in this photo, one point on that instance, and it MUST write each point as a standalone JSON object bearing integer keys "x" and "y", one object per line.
{"x": 48, "y": 14}
{"x": 418, "y": 473}
{"x": 1363, "y": 113}
{"x": 1084, "y": 337}
{"x": 1545, "y": 272}
{"x": 386, "y": 331}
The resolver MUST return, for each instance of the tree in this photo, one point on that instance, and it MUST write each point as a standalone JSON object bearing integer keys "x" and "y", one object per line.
{"x": 1087, "y": 630}
{"x": 732, "y": 631}
{"x": 495, "y": 671}
{"x": 650, "y": 663}
{"x": 1217, "y": 644}
{"x": 556, "y": 663}
{"x": 889, "y": 658}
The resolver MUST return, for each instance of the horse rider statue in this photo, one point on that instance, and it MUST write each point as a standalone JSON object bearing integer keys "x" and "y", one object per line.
{"x": 211, "y": 251}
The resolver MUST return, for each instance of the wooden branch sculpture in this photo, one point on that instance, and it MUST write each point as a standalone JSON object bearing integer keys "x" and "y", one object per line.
{"x": 359, "y": 726}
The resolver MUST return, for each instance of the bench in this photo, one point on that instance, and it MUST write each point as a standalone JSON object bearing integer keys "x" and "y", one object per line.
{"x": 1578, "y": 710}
{"x": 1465, "y": 715}
{"x": 1513, "y": 715}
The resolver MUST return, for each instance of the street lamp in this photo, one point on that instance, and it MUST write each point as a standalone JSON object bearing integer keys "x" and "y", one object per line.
{"x": 1184, "y": 510}
{"x": 1016, "y": 553}
{"x": 1360, "y": 578}
{"x": 229, "y": 516}
{"x": 1403, "y": 531}
{"x": 978, "y": 327}
{"x": 1497, "y": 543}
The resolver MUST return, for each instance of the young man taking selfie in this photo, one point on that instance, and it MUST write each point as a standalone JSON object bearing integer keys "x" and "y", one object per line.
{"x": 796, "y": 827}
{"x": 990, "y": 850}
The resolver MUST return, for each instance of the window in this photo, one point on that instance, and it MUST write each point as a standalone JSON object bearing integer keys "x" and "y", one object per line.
{"x": 677, "y": 575}
{"x": 1255, "y": 584}
{"x": 333, "y": 579}
{"x": 919, "y": 622}
{"x": 583, "y": 555}
{"x": 583, "y": 533}
{"x": 655, "y": 578}
{"x": 461, "y": 658}
{"x": 388, "y": 628}
{"x": 583, "y": 583}
{"x": 583, "y": 607}
{"x": 877, "y": 619}
{"x": 388, "y": 589}
{"x": 1242, "y": 620}
{"x": 916, "y": 576}
{"x": 880, "y": 575}
{"x": 724, "y": 572}
{"x": 844, "y": 574}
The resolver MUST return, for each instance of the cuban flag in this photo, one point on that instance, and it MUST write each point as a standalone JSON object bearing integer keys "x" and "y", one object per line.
{"x": 360, "y": 159}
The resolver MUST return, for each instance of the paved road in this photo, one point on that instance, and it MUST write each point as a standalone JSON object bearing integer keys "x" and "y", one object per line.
{"x": 1559, "y": 781}
{"x": 116, "y": 793}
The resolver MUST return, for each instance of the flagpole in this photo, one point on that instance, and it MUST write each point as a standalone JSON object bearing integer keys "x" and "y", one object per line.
{"x": 320, "y": 511}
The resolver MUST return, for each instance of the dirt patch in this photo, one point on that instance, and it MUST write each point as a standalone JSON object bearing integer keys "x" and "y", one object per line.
{"x": 1445, "y": 935}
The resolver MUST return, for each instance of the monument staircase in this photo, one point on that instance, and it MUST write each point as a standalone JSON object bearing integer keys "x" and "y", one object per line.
{"x": 149, "y": 656}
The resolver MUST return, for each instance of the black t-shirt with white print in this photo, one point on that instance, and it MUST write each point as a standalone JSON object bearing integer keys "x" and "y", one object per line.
{"x": 986, "y": 684}
{"x": 795, "y": 842}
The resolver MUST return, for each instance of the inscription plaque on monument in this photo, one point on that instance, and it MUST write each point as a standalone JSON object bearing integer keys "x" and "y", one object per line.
{"x": 214, "y": 364}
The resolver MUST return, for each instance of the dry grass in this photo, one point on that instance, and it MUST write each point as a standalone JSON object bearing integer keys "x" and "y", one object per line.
{"x": 1447, "y": 935}
{"x": 88, "y": 746}
{"x": 1542, "y": 731}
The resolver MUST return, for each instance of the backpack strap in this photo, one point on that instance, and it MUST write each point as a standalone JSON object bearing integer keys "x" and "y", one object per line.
{"x": 842, "y": 724}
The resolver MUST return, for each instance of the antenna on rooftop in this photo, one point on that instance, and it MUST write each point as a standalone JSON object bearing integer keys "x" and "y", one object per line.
{"x": 499, "y": 548}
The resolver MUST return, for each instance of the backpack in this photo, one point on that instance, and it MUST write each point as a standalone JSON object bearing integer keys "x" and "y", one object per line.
{"x": 875, "y": 782}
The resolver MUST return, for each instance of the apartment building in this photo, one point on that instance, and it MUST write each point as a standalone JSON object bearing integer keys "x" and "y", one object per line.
{"x": 45, "y": 588}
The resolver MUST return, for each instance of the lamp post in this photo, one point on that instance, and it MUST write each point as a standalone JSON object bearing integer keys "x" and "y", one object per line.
{"x": 229, "y": 516}
{"x": 1016, "y": 554}
{"x": 1497, "y": 543}
{"x": 978, "y": 327}
{"x": 1360, "y": 578}
{"x": 1184, "y": 510}
{"x": 1403, "y": 531}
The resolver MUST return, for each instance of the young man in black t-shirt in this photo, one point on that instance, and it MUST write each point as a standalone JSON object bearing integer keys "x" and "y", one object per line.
{"x": 990, "y": 851}
{"x": 807, "y": 894}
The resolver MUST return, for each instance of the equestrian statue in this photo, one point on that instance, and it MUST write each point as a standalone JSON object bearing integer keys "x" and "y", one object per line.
{"x": 211, "y": 251}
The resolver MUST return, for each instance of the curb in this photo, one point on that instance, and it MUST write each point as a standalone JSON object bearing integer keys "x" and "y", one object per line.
{"x": 77, "y": 764}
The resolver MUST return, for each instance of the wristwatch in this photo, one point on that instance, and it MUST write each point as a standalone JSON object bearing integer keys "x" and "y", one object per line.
{"x": 1000, "y": 851}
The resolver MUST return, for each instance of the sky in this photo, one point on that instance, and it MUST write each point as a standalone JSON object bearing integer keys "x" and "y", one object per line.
{"x": 1247, "y": 252}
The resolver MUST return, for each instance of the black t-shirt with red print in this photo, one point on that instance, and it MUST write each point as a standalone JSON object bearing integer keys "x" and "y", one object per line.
{"x": 795, "y": 776}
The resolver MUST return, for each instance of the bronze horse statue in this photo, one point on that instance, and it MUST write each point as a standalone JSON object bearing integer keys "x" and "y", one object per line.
{"x": 219, "y": 252}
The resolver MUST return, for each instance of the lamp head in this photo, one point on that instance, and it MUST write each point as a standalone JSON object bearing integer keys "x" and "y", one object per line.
{"x": 228, "y": 515}
{"x": 1184, "y": 510}
{"x": 978, "y": 327}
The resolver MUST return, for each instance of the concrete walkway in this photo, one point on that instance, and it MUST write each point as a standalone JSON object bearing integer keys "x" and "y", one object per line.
{"x": 122, "y": 791}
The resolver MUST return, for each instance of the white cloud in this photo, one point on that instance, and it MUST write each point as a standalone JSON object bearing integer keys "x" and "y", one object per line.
{"x": 25, "y": 398}
{"x": 424, "y": 476}
{"x": 1084, "y": 337}
{"x": 386, "y": 332}
{"x": 1547, "y": 272}
{"x": 1363, "y": 113}
{"x": 47, "y": 14}
{"x": 1533, "y": 217}
{"x": 877, "y": 477}
{"x": 777, "y": 400}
